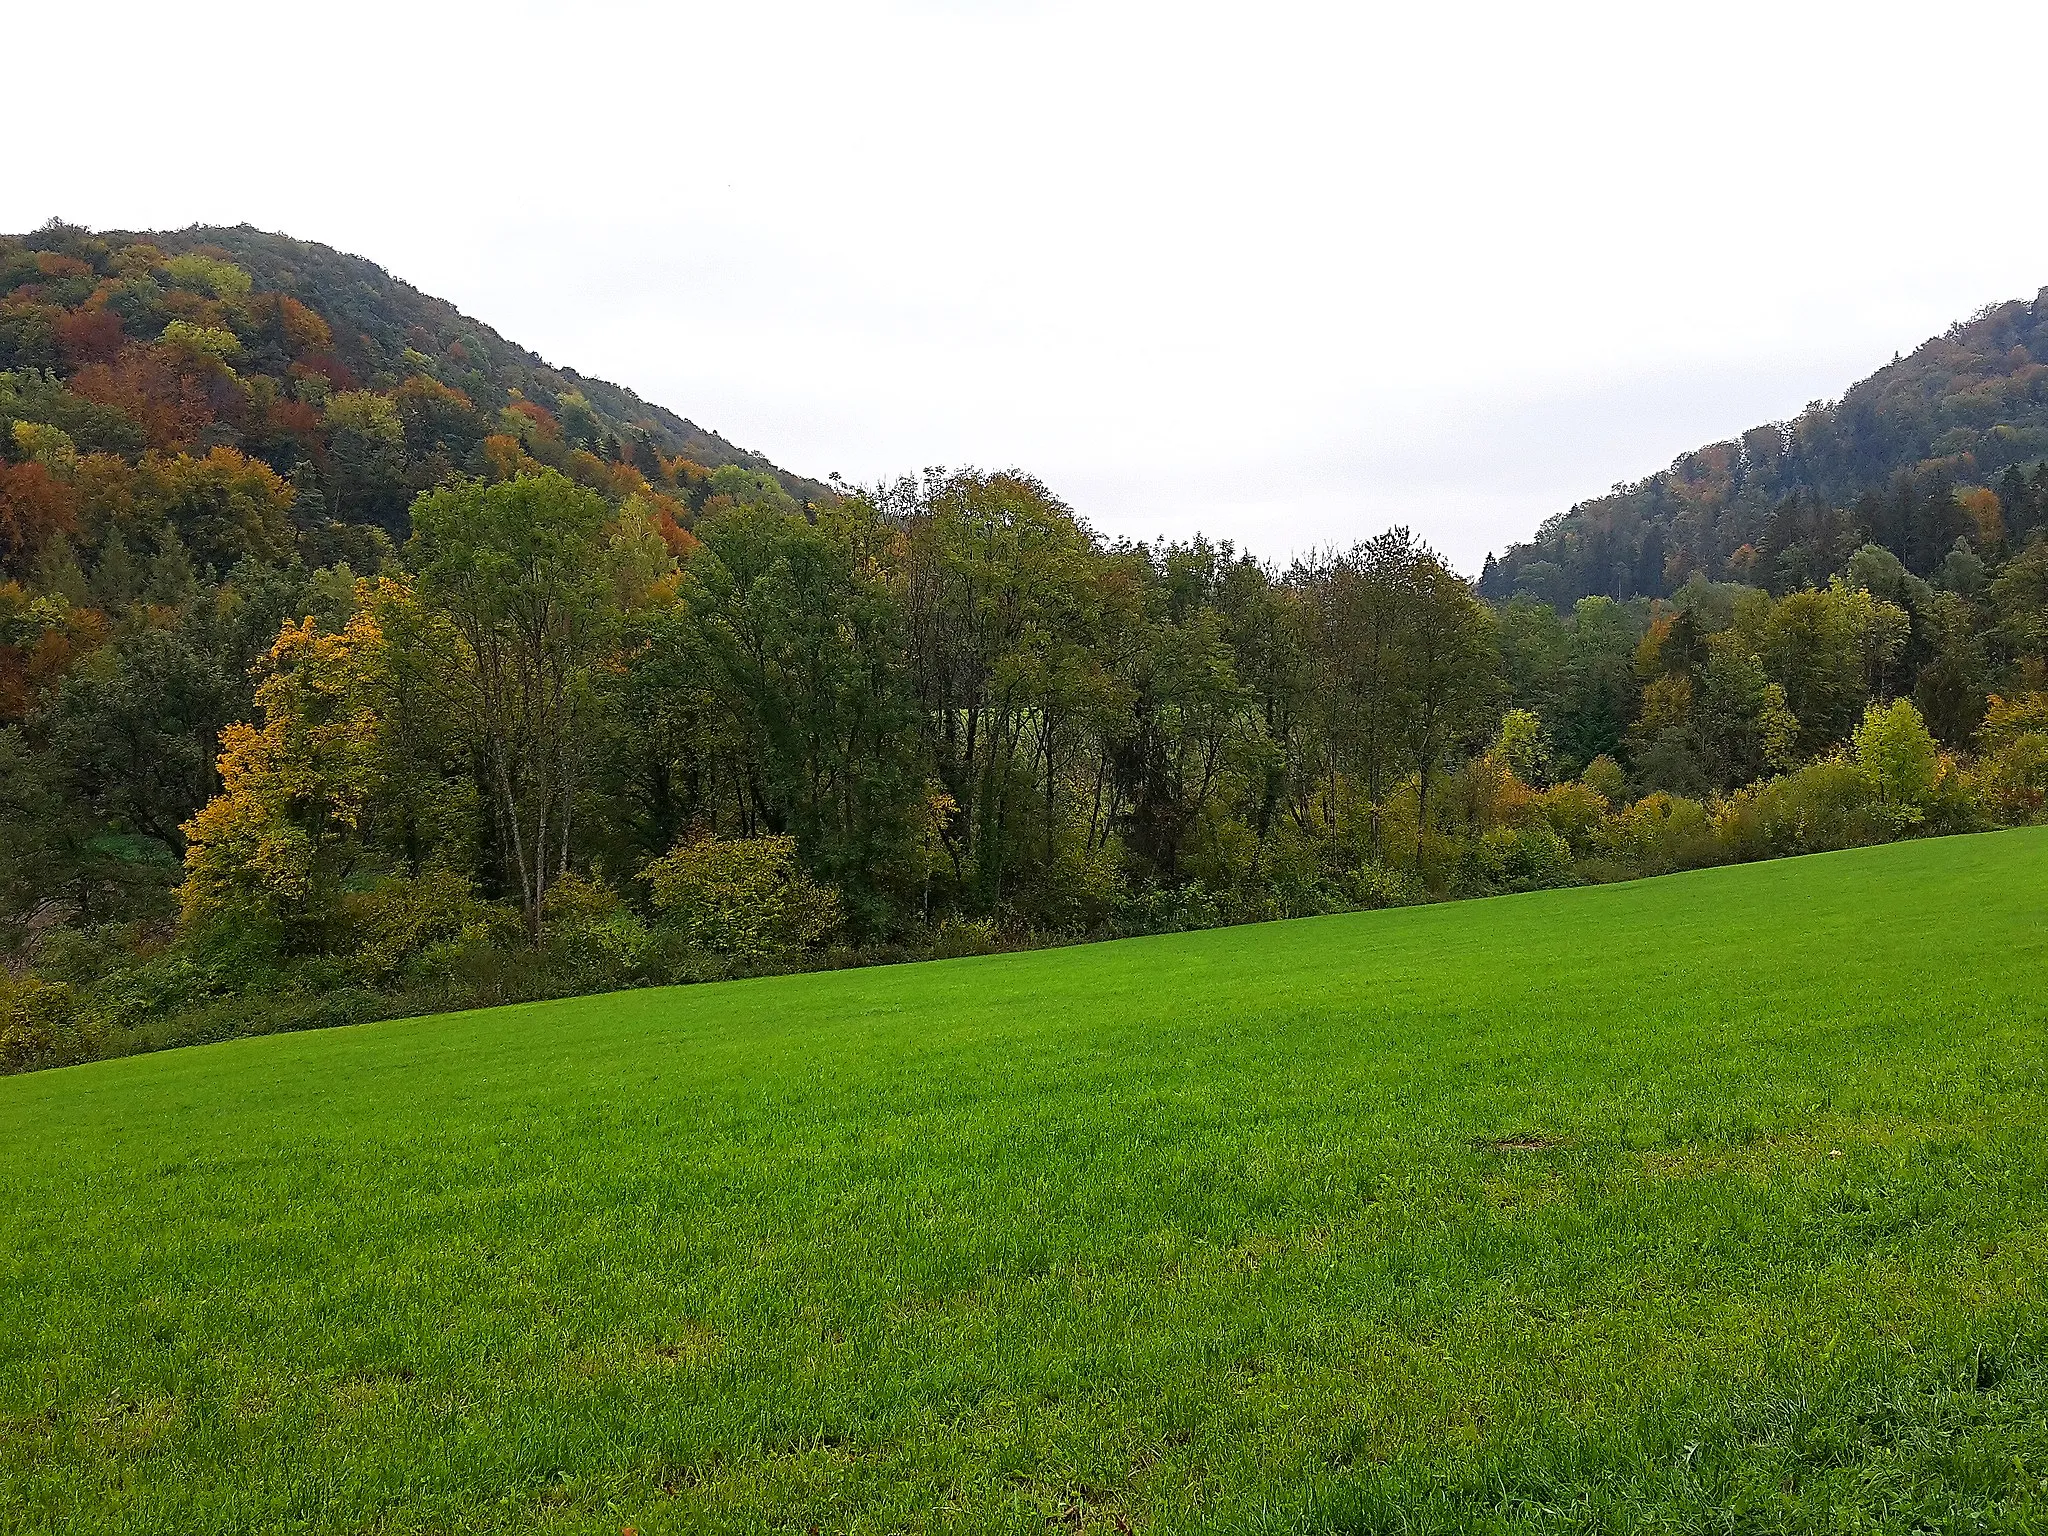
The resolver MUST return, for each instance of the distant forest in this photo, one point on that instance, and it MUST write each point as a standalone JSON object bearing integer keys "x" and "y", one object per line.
{"x": 1903, "y": 460}
{"x": 353, "y": 662}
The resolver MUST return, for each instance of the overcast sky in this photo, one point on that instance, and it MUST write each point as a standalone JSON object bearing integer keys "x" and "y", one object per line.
{"x": 1282, "y": 273}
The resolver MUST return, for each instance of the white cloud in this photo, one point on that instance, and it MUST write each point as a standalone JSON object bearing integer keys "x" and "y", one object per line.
{"x": 1286, "y": 273}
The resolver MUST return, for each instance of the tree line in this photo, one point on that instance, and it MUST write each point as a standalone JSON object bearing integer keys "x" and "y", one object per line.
{"x": 545, "y": 752}
{"x": 947, "y": 696}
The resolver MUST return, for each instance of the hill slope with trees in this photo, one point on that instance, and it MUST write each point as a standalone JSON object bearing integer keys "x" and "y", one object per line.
{"x": 1938, "y": 454}
{"x": 296, "y": 325}
{"x": 352, "y": 662}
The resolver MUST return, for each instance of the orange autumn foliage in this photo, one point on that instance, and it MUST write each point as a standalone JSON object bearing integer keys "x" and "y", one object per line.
{"x": 34, "y": 505}
{"x": 51, "y": 264}
{"x": 304, "y": 332}
{"x": 39, "y": 642}
{"x": 543, "y": 420}
{"x": 1986, "y": 516}
{"x": 668, "y": 516}
{"x": 507, "y": 458}
{"x": 89, "y": 336}
{"x": 171, "y": 405}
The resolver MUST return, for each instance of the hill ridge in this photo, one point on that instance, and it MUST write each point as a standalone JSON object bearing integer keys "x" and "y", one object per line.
{"x": 701, "y": 443}
{"x": 386, "y": 330}
{"x": 1785, "y": 503}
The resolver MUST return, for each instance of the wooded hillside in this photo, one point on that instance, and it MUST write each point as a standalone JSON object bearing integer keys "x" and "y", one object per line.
{"x": 1894, "y": 462}
{"x": 281, "y": 350}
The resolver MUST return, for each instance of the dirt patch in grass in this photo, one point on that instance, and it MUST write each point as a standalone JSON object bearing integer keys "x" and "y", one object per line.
{"x": 1087, "y": 1509}
{"x": 1521, "y": 1141}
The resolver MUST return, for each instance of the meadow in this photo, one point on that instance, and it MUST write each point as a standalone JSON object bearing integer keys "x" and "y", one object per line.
{"x": 1716, "y": 1202}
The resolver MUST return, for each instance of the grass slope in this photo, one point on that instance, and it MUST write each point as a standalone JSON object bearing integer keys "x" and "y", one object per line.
{"x": 1709, "y": 1203}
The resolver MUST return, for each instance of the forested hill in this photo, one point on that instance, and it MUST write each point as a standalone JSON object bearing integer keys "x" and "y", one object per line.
{"x": 1944, "y": 445}
{"x": 337, "y": 376}
{"x": 354, "y": 661}
{"x": 377, "y": 318}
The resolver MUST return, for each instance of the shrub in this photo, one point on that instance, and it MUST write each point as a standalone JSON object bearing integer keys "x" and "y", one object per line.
{"x": 1825, "y": 805}
{"x": 85, "y": 956}
{"x": 1491, "y": 791}
{"x": 401, "y": 918}
{"x": 1574, "y": 812}
{"x": 1604, "y": 777}
{"x": 224, "y": 956}
{"x": 1381, "y": 885}
{"x": 742, "y": 898}
{"x": 1514, "y": 859}
{"x": 1660, "y": 832}
{"x": 2008, "y": 719}
{"x": 1157, "y": 908}
{"x": 590, "y": 934}
{"x": 1077, "y": 890}
{"x": 39, "y": 1023}
{"x": 613, "y": 948}
{"x": 2011, "y": 784}
{"x": 1295, "y": 887}
{"x": 481, "y": 973}
{"x": 1954, "y": 805}
{"x": 2011, "y": 780}
{"x": 960, "y": 936}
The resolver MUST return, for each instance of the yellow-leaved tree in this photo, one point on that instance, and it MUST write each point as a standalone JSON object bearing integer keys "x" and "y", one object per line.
{"x": 1900, "y": 760}
{"x": 284, "y": 832}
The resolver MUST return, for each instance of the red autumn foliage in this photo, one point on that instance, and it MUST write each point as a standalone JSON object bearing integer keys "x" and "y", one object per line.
{"x": 29, "y": 671}
{"x": 89, "y": 336}
{"x": 328, "y": 367}
{"x": 295, "y": 418}
{"x": 542, "y": 418}
{"x": 173, "y": 407}
{"x": 34, "y": 504}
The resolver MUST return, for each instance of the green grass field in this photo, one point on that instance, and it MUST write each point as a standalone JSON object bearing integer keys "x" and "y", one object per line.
{"x": 1710, "y": 1203}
